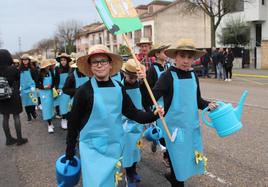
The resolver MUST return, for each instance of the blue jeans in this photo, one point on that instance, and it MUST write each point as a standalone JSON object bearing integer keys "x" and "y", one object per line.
{"x": 220, "y": 71}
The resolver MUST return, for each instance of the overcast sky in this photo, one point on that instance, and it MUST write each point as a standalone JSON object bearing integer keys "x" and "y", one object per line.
{"x": 33, "y": 20}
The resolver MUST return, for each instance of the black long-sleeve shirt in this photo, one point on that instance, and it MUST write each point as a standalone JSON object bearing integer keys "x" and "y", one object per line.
{"x": 58, "y": 71}
{"x": 164, "y": 87}
{"x": 42, "y": 74}
{"x": 82, "y": 108}
{"x": 69, "y": 87}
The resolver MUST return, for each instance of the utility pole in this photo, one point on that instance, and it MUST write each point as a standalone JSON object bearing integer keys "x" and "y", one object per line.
{"x": 19, "y": 43}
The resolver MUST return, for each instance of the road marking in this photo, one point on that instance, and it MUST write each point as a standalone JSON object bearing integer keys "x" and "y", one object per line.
{"x": 220, "y": 180}
{"x": 250, "y": 75}
{"x": 248, "y": 80}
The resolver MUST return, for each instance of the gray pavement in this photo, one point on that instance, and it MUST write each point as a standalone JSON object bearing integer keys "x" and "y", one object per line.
{"x": 240, "y": 160}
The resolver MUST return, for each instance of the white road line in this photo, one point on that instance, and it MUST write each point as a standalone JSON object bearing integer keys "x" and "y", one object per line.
{"x": 220, "y": 180}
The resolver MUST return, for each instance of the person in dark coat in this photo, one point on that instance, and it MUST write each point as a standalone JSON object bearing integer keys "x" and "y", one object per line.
{"x": 12, "y": 105}
{"x": 229, "y": 65}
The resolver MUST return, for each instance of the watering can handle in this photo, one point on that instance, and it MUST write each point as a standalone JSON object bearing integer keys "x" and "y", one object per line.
{"x": 204, "y": 118}
{"x": 66, "y": 166}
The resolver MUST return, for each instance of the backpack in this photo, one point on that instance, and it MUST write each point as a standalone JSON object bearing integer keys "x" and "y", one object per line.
{"x": 5, "y": 90}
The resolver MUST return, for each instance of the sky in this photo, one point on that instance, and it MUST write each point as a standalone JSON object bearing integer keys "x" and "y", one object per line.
{"x": 34, "y": 20}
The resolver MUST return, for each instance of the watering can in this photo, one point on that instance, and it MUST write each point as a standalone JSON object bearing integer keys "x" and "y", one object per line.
{"x": 68, "y": 172}
{"x": 153, "y": 133}
{"x": 225, "y": 119}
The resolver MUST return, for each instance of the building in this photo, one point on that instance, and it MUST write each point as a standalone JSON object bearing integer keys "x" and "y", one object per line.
{"x": 164, "y": 21}
{"x": 255, "y": 13}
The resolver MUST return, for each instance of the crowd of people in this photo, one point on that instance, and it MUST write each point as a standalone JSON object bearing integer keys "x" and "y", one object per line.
{"x": 104, "y": 101}
{"x": 221, "y": 61}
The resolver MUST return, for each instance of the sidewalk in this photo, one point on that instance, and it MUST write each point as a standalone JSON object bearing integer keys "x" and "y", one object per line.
{"x": 250, "y": 73}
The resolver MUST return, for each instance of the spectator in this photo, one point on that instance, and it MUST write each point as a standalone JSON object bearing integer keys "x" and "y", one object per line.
{"x": 220, "y": 65}
{"x": 215, "y": 52}
{"x": 145, "y": 46}
{"x": 205, "y": 62}
{"x": 229, "y": 65}
{"x": 11, "y": 105}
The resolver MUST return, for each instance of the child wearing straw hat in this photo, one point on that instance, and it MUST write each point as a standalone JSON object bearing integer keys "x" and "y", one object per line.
{"x": 45, "y": 84}
{"x": 179, "y": 87}
{"x": 96, "y": 116}
{"x": 153, "y": 74}
{"x": 133, "y": 130}
{"x": 61, "y": 74}
{"x": 28, "y": 78}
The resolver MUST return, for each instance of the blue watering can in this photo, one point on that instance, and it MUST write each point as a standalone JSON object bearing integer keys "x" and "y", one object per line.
{"x": 153, "y": 133}
{"x": 225, "y": 119}
{"x": 68, "y": 173}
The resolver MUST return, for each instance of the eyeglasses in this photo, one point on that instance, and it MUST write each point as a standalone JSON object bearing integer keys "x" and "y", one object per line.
{"x": 101, "y": 62}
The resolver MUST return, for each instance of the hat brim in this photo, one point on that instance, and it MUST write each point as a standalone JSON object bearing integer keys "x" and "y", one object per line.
{"x": 153, "y": 51}
{"x": 171, "y": 53}
{"x": 85, "y": 68}
{"x": 45, "y": 66}
{"x": 59, "y": 57}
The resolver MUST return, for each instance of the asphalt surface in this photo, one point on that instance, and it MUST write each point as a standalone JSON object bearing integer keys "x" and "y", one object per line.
{"x": 239, "y": 160}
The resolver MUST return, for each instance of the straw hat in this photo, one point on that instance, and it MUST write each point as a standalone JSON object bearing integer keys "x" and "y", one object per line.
{"x": 130, "y": 67}
{"x": 74, "y": 65}
{"x": 144, "y": 41}
{"x": 53, "y": 62}
{"x": 16, "y": 61}
{"x": 157, "y": 48}
{"x": 64, "y": 55}
{"x": 46, "y": 63}
{"x": 34, "y": 60}
{"x": 85, "y": 67}
{"x": 184, "y": 45}
{"x": 25, "y": 57}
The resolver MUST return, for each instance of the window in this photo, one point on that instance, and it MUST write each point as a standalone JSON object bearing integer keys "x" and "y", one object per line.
{"x": 233, "y": 6}
{"x": 137, "y": 36}
{"x": 258, "y": 34}
{"x": 148, "y": 31}
{"x": 262, "y": 2}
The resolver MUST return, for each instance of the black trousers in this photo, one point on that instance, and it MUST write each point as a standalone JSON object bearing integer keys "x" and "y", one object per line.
{"x": 172, "y": 178}
{"x": 30, "y": 111}
{"x": 228, "y": 71}
{"x": 130, "y": 171}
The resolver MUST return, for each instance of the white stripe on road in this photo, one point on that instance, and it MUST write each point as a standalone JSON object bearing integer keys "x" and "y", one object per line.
{"x": 218, "y": 179}
{"x": 248, "y": 80}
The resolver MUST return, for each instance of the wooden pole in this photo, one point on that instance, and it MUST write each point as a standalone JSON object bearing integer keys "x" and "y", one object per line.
{"x": 149, "y": 89}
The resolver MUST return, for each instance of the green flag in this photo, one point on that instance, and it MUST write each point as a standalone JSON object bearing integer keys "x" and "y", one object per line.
{"x": 119, "y": 16}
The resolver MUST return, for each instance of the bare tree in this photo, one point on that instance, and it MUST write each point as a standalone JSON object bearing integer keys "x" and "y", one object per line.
{"x": 215, "y": 9}
{"x": 44, "y": 45}
{"x": 67, "y": 33}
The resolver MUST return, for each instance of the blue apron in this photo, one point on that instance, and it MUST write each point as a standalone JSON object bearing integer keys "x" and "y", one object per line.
{"x": 46, "y": 98}
{"x": 63, "y": 100}
{"x": 101, "y": 139}
{"x": 160, "y": 100}
{"x": 183, "y": 114}
{"x": 28, "y": 89}
{"x": 117, "y": 77}
{"x": 79, "y": 80}
{"x": 133, "y": 132}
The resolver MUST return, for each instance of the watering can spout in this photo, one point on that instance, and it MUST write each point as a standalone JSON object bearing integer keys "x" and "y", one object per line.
{"x": 238, "y": 109}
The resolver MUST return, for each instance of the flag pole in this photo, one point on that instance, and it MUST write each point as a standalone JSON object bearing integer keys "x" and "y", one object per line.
{"x": 172, "y": 138}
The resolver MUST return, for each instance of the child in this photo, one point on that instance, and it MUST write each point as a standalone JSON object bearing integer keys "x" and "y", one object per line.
{"x": 179, "y": 87}
{"x": 28, "y": 76}
{"x": 45, "y": 84}
{"x": 133, "y": 130}
{"x": 61, "y": 74}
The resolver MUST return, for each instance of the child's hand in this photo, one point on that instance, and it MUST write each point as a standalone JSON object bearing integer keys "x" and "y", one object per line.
{"x": 159, "y": 110}
{"x": 141, "y": 72}
{"x": 213, "y": 105}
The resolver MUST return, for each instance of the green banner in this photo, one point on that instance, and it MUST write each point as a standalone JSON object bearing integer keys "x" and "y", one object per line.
{"x": 119, "y": 16}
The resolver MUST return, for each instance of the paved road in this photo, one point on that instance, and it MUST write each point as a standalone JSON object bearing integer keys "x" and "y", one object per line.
{"x": 239, "y": 160}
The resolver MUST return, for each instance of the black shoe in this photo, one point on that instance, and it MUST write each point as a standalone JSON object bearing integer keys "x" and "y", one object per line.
{"x": 34, "y": 115}
{"x": 11, "y": 141}
{"x": 29, "y": 118}
{"x": 22, "y": 141}
{"x": 173, "y": 181}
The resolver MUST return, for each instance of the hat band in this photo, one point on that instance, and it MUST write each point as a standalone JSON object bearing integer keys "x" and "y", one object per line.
{"x": 130, "y": 72}
{"x": 186, "y": 46}
{"x": 98, "y": 51}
